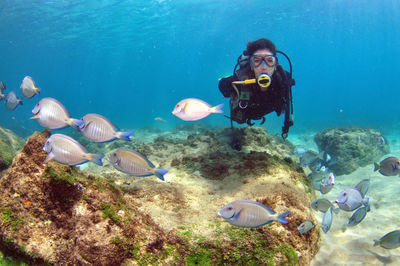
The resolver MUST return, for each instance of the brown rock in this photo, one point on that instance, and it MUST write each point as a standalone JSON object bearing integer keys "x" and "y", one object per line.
{"x": 55, "y": 213}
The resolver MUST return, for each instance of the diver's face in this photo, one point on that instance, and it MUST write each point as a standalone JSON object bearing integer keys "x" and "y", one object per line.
{"x": 263, "y": 68}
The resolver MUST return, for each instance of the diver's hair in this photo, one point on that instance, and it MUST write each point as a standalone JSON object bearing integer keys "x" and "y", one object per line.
{"x": 260, "y": 44}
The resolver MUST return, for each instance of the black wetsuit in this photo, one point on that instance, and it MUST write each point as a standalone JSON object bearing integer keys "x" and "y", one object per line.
{"x": 259, "y": 103}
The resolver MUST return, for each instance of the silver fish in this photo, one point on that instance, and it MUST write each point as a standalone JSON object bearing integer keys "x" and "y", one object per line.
{"x": 328, "y": 184}
{"x": 327, "y": 220}
{"x": 306, "y": 227}
{"x": 133, "y": 163}
{"x": 389, "y": 166}
{"x": 12, "y": 100}
{"x": 66, "y": 150}
{"x": 357, "y": 216}
{"x": 52, "y": 114}
{"x": 389, "y": 241}
{"x": 2, "y": 88}
{"x": 99, "y": 129}
{"x": 247, "y": 213}
{"x": 350, "y": 199}
{"x": 319, "y": 175}
{"x": 192, "y": 109}
{"x": 321, "y": 205}
{"x": 160, "y": 120}
{"x": 28, "y": 87}
{"x": 309, "y": 157}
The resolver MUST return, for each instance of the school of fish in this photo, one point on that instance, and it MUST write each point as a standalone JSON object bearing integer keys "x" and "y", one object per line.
{"x": 52, "y": 114}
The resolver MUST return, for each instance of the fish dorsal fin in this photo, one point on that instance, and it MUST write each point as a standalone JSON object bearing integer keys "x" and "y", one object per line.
{"x": 62, "y": 136}
{"x": 363, "y": 186}
{"x": 105, "y": 119}
{"x": 141, "y": 156}
{"x": 271, "y": 211}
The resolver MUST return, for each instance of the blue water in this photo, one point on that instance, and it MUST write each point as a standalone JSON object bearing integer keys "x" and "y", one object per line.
{"x": 132, "y": 61}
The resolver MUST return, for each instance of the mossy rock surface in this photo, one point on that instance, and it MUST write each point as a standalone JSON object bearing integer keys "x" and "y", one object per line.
{"x": 352, "y": 147}
{"x": 57, "y": 214}
{"x": 10, "y": 145}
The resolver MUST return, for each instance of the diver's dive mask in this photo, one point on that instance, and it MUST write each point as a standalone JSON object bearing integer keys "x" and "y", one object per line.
{"x": 269, "y": 60}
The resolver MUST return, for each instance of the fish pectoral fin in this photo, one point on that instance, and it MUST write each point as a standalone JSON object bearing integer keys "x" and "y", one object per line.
{"x": 35, "y": 116}
{"x": 49, "y": 157}
{"x": 237, "y": 215}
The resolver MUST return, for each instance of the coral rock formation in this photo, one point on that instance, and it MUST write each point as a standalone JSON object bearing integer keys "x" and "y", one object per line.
{"x": 352, "y": 147}
{"x": 52, "y": 213}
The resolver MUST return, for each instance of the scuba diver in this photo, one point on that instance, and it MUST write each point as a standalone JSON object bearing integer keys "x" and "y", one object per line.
{"x": 258, "y": 87}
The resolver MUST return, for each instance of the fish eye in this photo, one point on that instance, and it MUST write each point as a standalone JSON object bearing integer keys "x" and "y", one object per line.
{"x": 344, "y": 194}
{"x": 230, "y": 208}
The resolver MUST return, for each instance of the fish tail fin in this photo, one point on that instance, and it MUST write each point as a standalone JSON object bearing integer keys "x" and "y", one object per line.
{"x": 322, "y": 155}
{"x": 217, "y": 109}
{"x": 96, "y": 158}
{"x": 160, "y": 173}
{"x": 124, "y": 135}
{"x": 37, "y": 91}
{"x": 366, "y": 202}
{"x": 282, "y": 217}
{"x": 376, "y": 167}
{"x": 75, "y": 123}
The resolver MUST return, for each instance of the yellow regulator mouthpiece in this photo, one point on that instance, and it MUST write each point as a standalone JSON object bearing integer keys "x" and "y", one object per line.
{"x": 264, "y": 80}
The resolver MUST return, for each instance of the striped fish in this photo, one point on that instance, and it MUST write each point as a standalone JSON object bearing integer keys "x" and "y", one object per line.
{"x": 133, "y": 163}
{"x": 327, "y": 220}
{"x": 99, "y": 129}
{"x": 66, "y": 150}
{"x": 247, "y": 213}
{"x": 52, "y": 114}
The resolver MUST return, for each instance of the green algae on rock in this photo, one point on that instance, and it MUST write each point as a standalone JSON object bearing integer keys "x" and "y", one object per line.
{"x": 10, "y": 145}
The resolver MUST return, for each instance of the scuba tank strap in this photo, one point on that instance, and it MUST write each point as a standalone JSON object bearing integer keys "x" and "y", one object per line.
{"x": 289, "y": 99}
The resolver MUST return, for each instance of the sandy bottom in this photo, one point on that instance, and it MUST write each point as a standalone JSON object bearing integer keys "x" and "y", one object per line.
{"x": 344, "y": 245}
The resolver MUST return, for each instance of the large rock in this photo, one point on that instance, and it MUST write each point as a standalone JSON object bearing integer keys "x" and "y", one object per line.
{"x": 352, "y": 147}
{"x": 52, "y": 213}
{"x": 10, "y": 145}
